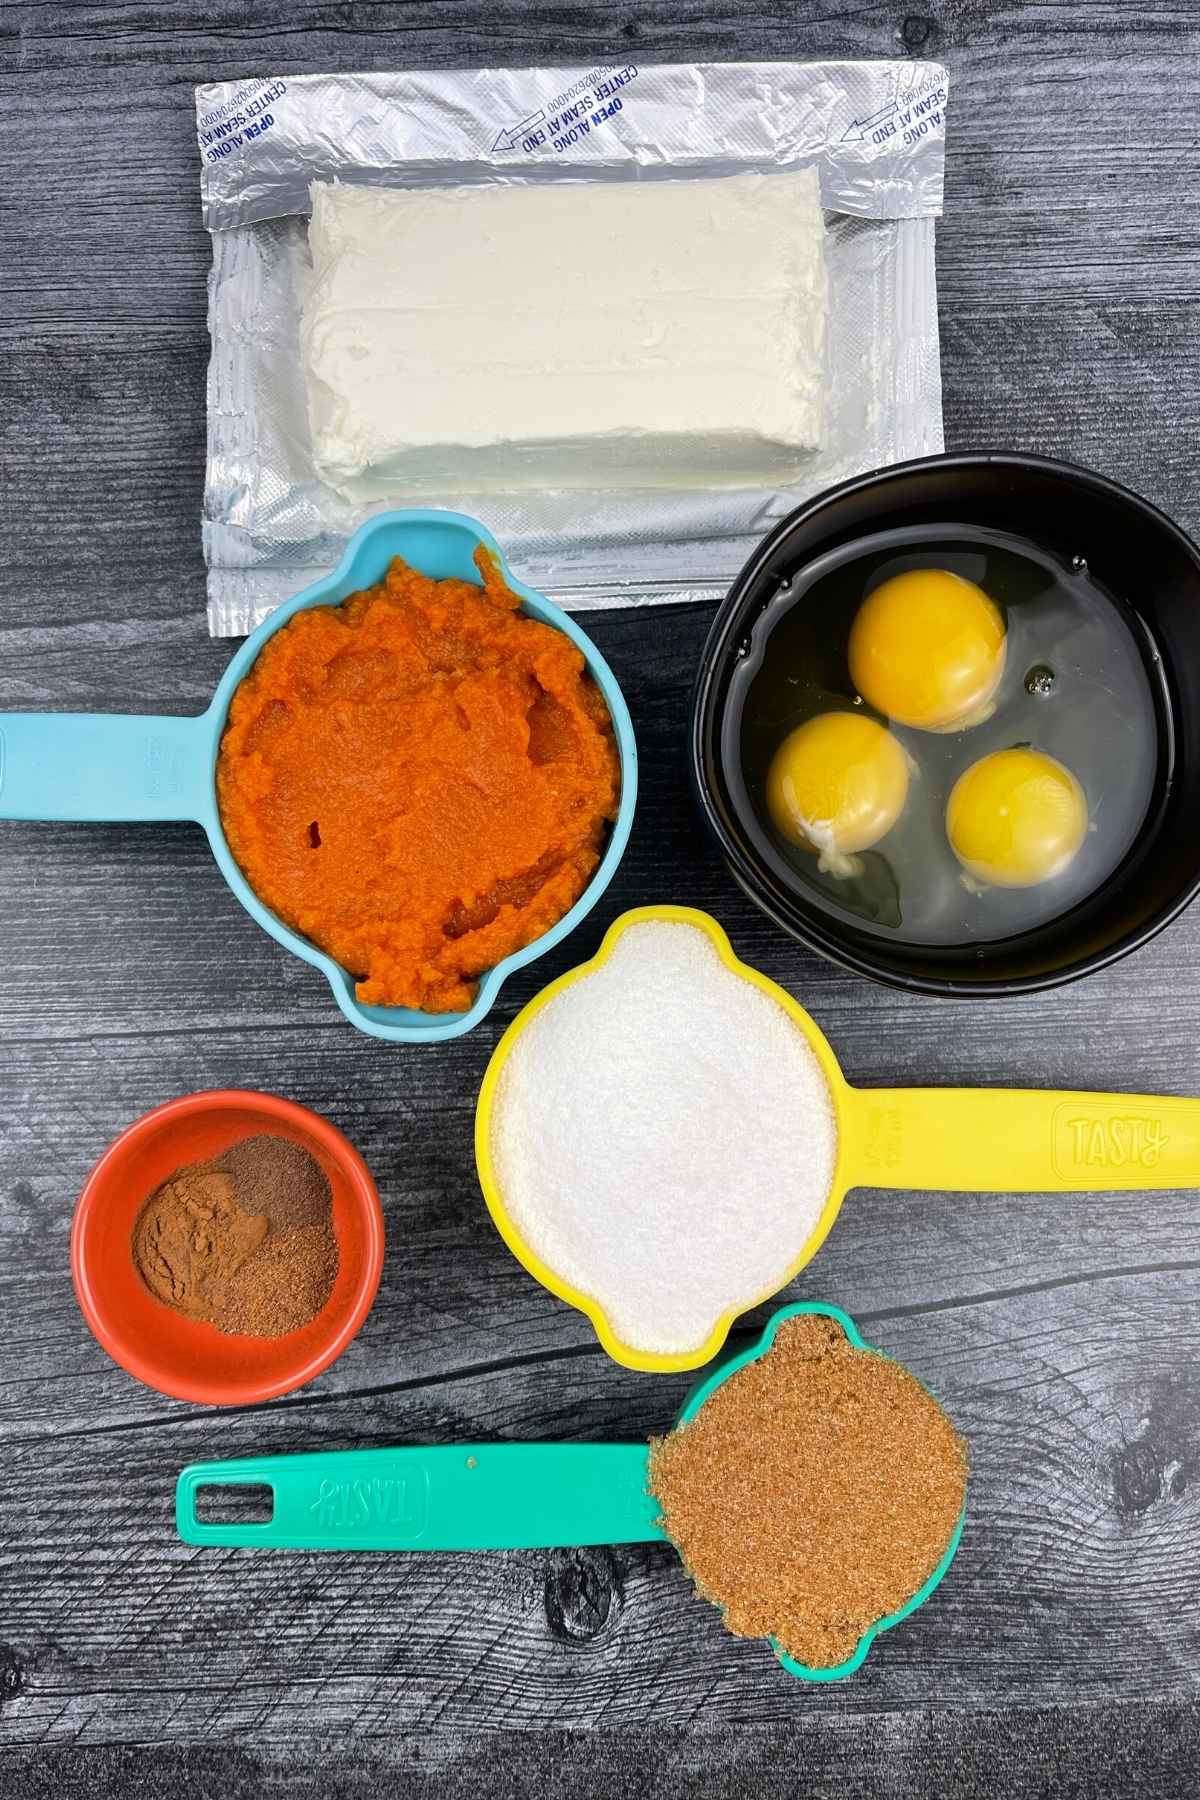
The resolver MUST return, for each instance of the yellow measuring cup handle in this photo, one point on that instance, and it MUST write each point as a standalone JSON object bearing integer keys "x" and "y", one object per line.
{"x": 1011, "y": 1139}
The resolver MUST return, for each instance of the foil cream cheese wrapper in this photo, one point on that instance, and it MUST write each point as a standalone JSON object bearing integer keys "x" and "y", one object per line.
{"x": 875, "y": 132}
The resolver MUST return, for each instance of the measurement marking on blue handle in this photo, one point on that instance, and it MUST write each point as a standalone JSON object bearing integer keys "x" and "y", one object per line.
{"x": 165, "y": 767}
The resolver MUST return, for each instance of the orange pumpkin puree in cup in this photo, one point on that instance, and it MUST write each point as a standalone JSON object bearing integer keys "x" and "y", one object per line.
{"x": 419, "y": 780}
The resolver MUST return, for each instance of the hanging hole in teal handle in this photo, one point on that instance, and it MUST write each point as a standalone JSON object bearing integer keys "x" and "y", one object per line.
{"x": 234, "y": 1503}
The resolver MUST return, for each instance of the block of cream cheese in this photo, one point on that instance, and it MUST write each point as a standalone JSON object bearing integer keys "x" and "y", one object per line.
{"x": 652, "y": 333}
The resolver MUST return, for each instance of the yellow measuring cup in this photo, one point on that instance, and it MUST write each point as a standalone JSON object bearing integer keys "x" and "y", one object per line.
{"x": 970, "y": 1140}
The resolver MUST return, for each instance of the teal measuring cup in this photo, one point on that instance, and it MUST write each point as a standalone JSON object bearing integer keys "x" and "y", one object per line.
{"x": 486, "y": 1496}
{"x": 114, "y": 766}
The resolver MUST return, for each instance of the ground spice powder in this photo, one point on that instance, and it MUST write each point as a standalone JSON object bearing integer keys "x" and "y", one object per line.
{"x": 814, "y": 1492}
{"x": 244, "y": 1241}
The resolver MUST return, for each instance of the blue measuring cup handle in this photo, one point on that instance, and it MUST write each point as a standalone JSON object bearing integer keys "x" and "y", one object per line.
{"x": 106, "y": 766}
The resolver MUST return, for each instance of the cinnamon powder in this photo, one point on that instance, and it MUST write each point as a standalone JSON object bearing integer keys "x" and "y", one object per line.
{"x": 244, "y": 1241}
{"x": 813, "y": 1493}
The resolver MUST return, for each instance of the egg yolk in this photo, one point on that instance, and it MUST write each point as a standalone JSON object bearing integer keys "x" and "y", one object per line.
{"x": 1016, "y": 818}
{"x": 837, "y": 784}
{"x": 927, "y": 649}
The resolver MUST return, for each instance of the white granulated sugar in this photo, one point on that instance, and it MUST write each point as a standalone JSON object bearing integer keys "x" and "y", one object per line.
{"x": 664, "y": 1138}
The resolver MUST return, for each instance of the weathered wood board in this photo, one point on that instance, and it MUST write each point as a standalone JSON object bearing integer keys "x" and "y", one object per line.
{"x": 1062, "y": 1334}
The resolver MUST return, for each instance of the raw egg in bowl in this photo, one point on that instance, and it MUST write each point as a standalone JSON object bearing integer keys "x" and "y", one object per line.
{"x": 927, "y": 649}
{"x": 837, "y": 784}
{"x": 1027, "y": 636}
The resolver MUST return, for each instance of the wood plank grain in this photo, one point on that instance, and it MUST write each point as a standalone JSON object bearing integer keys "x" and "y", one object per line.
{"x": 1074, "y": 1580}
{"x": 1083, "y": 1750}
{"x": 1061, "y": 1333}
{"x": 920, "y": 1270}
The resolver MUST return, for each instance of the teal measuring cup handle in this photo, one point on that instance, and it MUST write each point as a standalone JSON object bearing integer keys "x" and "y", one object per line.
{"x": 447, "y": 1497}
{"x": 105, "y": 766}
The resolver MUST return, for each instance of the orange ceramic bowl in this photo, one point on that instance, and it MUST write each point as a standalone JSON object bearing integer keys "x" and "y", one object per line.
{"x": 187, "y": 1358}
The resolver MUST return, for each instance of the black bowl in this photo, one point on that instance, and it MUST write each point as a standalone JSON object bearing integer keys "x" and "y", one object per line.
{"x": 1136, "y": 553}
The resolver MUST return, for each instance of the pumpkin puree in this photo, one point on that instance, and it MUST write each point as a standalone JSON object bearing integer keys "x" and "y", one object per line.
{"x": 419, "y": 781}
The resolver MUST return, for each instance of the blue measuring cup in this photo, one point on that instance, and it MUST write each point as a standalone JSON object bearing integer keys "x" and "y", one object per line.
{"x": 115, "y": 766}
{"x": 487, "y": 1496}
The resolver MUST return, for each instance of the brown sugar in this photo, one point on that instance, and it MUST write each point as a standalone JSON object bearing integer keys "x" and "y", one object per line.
{"x": 244, "y": 1241}
{"x": 814, "y": 1492}
{"x": 419, "y": 780}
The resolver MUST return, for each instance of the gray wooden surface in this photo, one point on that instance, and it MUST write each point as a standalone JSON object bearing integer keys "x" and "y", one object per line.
{"x": 1060, "y": 1655}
